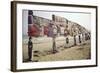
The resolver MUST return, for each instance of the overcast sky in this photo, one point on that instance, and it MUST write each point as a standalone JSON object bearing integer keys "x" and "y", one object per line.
{"x": 84, "y": 19}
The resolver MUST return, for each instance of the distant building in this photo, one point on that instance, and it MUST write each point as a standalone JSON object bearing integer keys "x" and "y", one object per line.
{"x": 43, "y": 27}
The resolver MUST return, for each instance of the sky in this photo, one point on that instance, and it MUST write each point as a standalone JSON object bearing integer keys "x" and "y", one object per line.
{"x": 84, "y": 19}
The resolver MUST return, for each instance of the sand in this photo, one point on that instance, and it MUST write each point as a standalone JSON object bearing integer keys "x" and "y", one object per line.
{"x": 78, "y": 52}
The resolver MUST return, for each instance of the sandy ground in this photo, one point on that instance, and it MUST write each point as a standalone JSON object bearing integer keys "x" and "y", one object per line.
{"x": 73, "y": 53}
{"x": 78, "y": 52}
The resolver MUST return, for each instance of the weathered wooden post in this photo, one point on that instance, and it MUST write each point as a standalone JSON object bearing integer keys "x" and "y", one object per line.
{"x": 79, "y": 38}
{"x": 86, "y": 36}
{"x": 74, "y": 34}
{"x": 54, "y": 45}
{"x": 79, "y": 34}
{"x": 54, "y": 34}
{"x": 30, "y": 47}
{"x": 66, "y": 34}
{"x": 74, "y": 39}
{"x": 30, "y": 43}
{"x": 54, "y": 38}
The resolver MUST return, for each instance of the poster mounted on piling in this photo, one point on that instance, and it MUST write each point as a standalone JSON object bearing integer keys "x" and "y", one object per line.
{"x": 49, "y": 36}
